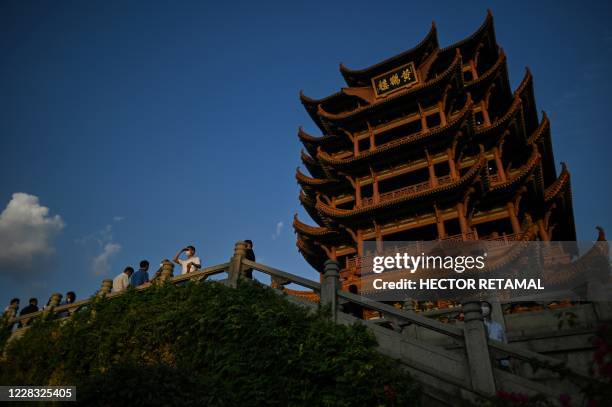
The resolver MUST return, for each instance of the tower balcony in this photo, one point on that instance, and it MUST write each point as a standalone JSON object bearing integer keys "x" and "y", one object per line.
{"x": 409, "y": 190}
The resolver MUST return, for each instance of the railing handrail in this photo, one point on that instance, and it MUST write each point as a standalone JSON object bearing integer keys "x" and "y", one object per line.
{"x": 407, "y": 190}
{"x": 362, "y": 301}
{"x": 423, "y": 321}
{"x": 536, "y": 358}
{"x": 428, "y": 323}
{"x": 313, "y": 285}
{"x": 196, "y": 275}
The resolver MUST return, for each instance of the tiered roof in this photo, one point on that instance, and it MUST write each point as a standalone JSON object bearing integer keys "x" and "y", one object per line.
{"x": 357, "y": 111}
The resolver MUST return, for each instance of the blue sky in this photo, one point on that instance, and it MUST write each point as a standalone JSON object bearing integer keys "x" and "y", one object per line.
{"x": 146, "y": 126}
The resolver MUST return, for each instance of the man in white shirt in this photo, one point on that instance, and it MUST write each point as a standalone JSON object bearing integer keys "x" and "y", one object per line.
{"x": 191, "y": 263}
{"x": 122, "y": 281}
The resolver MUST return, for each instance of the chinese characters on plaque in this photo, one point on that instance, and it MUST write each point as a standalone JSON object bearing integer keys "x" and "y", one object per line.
{"x": 402, "y": 77}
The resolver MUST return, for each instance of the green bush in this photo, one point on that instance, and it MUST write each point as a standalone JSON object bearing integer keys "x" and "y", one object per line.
{"x": 207, "y": 344}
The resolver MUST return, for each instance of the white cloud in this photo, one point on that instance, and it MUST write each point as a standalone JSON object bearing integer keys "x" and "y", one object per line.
{"x": 27, "y": 232}
{"x": 107, "y": 248}
{"x": 278, "y": 230}
{"x": 101, "y": 263}
{"x": 105, "y": 242}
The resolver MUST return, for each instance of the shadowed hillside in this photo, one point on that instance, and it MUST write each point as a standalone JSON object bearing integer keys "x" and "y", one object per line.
{"x": 205, "y": 343}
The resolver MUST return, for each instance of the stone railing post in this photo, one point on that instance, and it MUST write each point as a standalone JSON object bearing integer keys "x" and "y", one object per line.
{"x": 105, "y": 289}
{"x": 479, "y": 359}
{"x": 235, "y": 266}
{"x": 53, "y": 302}
{"x": 166, "y": 273}
{"x": 330, "y": 286}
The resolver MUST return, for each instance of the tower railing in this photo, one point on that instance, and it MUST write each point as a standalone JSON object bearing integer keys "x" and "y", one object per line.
{"x": 408, "y": 190}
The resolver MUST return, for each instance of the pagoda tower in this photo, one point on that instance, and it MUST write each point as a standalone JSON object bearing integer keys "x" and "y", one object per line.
{"x": 431, "y": 144}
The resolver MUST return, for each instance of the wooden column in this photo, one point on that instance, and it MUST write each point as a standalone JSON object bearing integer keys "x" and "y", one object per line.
{"x": 542, "y": 231}
{"x": 462, "y": 220}
{"x": 372, "y": 138}
{"x": 355, "y": 183}
{"x": 440, "y": 224}
{"x": 451, "y": 164}
{"x": 442, "y": 114}
{"x": 378, "y": 237}
{"x": 516, "y": 226}
{"x": 474, "y": 70}
{"x": 433, "y": 180}
{"x": 360, "y": 243}
{"x": 423, "y": 119}
{"x": 498, "y": 163}
{"x": 485, "y": 113}
{"x": 375, "y": 193}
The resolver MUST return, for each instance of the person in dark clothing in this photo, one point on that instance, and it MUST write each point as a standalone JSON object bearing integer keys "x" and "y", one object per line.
{"x": 250, "y": 255}
{"x": 29, "y": 309}
{"x": 32, "y": 307}
{"x": 70, "y": 299}
{"x": 141, "y": 276}
{"x": 351, "y": 308}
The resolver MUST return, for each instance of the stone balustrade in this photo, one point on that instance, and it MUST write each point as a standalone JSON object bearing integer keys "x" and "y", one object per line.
{"x": 466, "y": 366}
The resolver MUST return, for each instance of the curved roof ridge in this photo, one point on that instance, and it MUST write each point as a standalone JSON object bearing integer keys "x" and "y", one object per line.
{"x": 307, "y": 159}
{"x": 305, "y": 137}
{"x": 432, "y": 35}
{"x": 501, "y": 60}
{"x": 307, "y": 295}
{"x": 311, "y": 230}
{"x": 543, "y": 126}
{"x": 525, "y": 169}
{"x": 305, "y": 179}
{"x": 526, "y": 82}
{"x": 454, "y": 66}
{"x": 486, "y": 25}
{"x": 512, "y": 110}
{"x": 306, "y": 100}
{"x": 562, "y": 181}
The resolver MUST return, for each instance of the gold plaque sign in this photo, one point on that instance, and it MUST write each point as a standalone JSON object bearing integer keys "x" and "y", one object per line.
{"x": 403, "y": 77}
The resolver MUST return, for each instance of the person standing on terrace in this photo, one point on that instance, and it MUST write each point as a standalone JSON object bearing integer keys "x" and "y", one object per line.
{"x": 11, "y": 310}
{"x": 122, "y": 281}
{"x": 191, "y": 263}
{"x": 31, "y": 308}
{"x": 141, "y": 276}
{"x": 250, "y": 255}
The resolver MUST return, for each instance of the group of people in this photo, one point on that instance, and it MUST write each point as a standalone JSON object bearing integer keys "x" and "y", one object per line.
{"x": 12, "y": 310}
{"x": 130, "y": 278}
{"x": 186, "y": 258}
